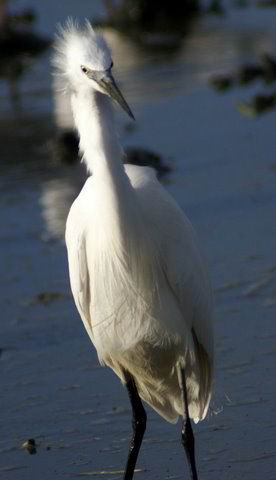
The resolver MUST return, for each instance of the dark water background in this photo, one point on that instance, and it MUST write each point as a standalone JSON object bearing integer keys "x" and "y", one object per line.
{"x": 52, "y": 388}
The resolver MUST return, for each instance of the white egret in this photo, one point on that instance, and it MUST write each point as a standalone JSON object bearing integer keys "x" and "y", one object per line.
{"x": 136, "y": 272}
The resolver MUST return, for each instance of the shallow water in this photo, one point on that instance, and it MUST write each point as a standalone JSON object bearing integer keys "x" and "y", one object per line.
{"x": 52, "y": 388}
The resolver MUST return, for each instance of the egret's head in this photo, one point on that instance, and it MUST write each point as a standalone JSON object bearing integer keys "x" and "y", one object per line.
{"x": 84, "y": 60}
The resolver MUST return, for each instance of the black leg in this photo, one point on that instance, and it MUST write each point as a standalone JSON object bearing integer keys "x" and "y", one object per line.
{"x": 139, "y": 420}
{"x": 188, "y": 441}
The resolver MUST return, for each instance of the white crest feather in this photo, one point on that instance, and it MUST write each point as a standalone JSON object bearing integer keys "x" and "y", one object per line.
{"x": 78, "y": 45}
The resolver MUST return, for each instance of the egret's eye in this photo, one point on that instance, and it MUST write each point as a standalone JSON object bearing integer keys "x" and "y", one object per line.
{"x": 84, "y": 69}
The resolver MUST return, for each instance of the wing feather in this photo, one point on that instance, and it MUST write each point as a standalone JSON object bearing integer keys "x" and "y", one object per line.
{"x": 78, "y": 267}
{"x": 181, "y": 258}
{"x": 187, "y": 276}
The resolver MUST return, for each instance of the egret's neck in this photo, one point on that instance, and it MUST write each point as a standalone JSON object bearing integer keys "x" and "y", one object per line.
{"x": 94, "y": 119}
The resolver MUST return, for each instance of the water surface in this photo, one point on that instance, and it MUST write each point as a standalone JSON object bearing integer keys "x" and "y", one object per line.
{"x": 52, "y": 388}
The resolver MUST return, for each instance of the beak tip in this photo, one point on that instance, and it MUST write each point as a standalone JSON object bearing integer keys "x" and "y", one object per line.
{"x": 110, "y": 88}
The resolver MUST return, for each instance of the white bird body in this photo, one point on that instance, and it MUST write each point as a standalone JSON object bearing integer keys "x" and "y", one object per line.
{"x": 137, "y": 276}
{"x": 136, "y": 272}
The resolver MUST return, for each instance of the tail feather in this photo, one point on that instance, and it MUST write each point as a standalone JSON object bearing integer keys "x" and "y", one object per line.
{"x": 159, "y": 385}
{"x": 205, "y": 369}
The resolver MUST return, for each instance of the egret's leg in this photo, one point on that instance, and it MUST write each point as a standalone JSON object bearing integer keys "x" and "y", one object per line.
{"x": 187, "y": 435}
{"x": 139, "y": 420}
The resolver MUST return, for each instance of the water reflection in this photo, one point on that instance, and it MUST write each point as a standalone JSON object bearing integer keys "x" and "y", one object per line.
{"x": 56, "y": 198}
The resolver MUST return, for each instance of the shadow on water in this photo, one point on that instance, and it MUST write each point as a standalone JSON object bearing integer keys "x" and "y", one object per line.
{"x": 52, "y": 389}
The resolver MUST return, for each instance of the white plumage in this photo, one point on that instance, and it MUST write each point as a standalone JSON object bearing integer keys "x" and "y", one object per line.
{"x": 136, "y": 272}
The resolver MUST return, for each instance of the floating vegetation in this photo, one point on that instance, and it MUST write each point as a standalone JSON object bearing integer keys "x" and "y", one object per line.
{"x": 257, "y": 105}
{"x": 146, "y": 158}
{"x": 65, "y": 146}
{"x": 266, "y": 71}
{"x": 221, "y": 82}
{"x": 246, "y": 74}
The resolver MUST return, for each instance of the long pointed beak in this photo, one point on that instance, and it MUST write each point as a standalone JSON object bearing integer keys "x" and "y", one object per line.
{"x": 108, "y": 85}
